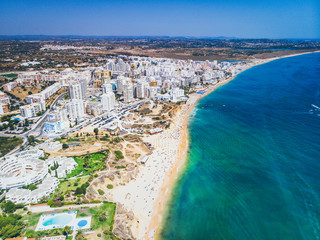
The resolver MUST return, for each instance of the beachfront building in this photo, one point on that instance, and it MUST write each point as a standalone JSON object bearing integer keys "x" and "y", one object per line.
{"x": 22, "y": 169}
{"x": 177, "y": 94}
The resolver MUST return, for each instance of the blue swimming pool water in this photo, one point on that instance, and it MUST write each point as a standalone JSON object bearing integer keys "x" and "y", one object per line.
{"x": 82, "y": 223}
{"x": 58, "y": 220}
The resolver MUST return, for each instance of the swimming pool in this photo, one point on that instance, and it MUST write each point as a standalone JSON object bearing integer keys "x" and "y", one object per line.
{"x": 58, "y": 220}
{"x": 82, "y": 223}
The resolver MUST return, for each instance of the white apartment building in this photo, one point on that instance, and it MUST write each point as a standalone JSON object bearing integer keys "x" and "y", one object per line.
{"x": 66, "y": 165}
{"x": 106, "y": 88}
{"x": 121, "y": 81}
{"x": 141, "y": 89}
{"x": 9, "y": 86}
{"x": 176, "y": 94}
{"x": 108, "y": 101}
{"x": 31, "y": 110}
{"x": 75, "y": 109}
{"x": 22, "y": 169}
{"x": 76, "y": 90}
{"x": 128, "y": 92}
{"x": 25, "y": 196}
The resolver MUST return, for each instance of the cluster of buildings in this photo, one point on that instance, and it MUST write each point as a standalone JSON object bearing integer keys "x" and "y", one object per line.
{"x": 23, "y": 168}
{"x": 26, "y": 168}
{"x": 123, "y": 80}
{"x": 25, "y": 196}
{"x": 4, "y": 103}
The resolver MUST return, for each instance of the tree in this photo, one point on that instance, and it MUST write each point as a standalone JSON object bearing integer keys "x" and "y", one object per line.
{"x": 9, "y": 207}
{"x": 26, "y": 123}
{"x": 66, "y": 231}
{"x": 78, "y": 191}
{"x": 31, "y": 139}
{"x": 65, "y": 146}
{"x": 50, "y": 203}
{"x": 96, "y": 131}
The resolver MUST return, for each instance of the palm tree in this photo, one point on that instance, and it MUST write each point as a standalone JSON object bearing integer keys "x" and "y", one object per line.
{"x": 66, "y": 231}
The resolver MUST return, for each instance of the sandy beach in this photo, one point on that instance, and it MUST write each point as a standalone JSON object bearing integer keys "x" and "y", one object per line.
{"x": 149, "y": 194}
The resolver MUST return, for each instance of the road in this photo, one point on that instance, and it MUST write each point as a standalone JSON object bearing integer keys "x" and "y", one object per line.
{"x": 38, "y": 127}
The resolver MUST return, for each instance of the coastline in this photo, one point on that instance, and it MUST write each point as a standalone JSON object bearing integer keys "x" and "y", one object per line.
{"x": 165, "y": 196}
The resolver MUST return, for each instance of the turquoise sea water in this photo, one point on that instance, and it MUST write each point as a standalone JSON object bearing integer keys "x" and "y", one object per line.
{"x": 254, "y": 165}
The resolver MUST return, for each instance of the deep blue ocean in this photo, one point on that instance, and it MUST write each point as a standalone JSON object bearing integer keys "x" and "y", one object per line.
{"x": 253, "y": 170}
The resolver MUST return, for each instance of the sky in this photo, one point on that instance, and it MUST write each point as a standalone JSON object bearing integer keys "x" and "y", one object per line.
{"x": 198, "y": 18}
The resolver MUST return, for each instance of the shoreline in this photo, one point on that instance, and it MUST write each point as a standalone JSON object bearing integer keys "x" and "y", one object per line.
{"x": 166, "y": 192}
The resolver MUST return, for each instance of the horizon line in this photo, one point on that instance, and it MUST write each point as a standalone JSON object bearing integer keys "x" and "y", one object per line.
{"x": 145, "y": 36}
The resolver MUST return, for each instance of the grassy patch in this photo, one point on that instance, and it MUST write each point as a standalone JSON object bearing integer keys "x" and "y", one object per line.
{"x": 31, "y": 220}
{"x": 8, "y": 143}
{"x": 103, "y": 216}
{"x": 71, "y": 184}
{"x": 89, "y": 163}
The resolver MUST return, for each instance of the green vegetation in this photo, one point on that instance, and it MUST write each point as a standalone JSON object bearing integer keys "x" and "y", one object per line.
{"x": 101, "y": 192}
{"x": 10, "y": 75}
{"x": 103, "y": 216}
{"x": 65, "y": 146}
{"x": 118, "y": 154}
{"x": 30, "y": 187}
{"x": 10, "y": 226}
{"x": 116, "y": 140}
{"x": 38, "y": 234}
{"x": 82, "y": 189}
{"x": 105, "y": 138}
{"x": 120, "y": 167}
{"x": 8, "y": 207}
{"x": 109, "y": 186}
{"x": 7, "y": 144}
{"x": 89, "y": 163}
{"x": 71, "y": 185}
{"x": 31, "y": 220}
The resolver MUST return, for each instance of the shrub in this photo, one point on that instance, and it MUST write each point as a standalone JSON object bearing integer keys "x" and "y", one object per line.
{"x": 109, "y": 186}
{"x": 101, "y": 192}
{"x": 119, "y": 154}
